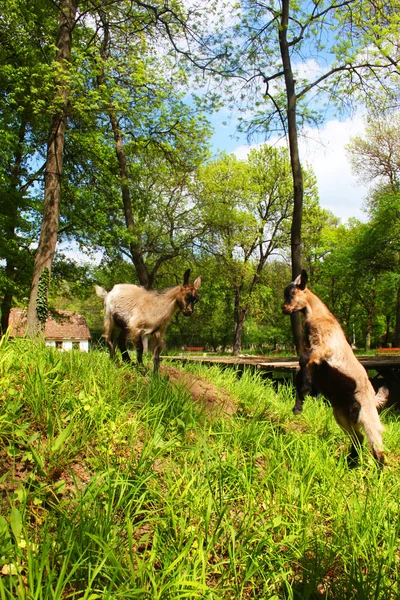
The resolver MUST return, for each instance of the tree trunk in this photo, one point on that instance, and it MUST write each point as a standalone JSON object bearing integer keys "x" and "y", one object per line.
{"x": 5, "y": 312}
{"x": 368, "y": 340}
{"x": 297, "y": 172}
{"x": 54, "y": 163}
{"x": 239, "y": 317}
{"x": 396, "y": 340}
{"x": 238, "y": 333}
{"x": 384, "y": 341}
{"x": 370, "y": 321}
{"x": 145, "y": 278}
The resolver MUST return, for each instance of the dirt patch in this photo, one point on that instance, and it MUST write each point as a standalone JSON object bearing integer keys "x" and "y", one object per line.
{"x": 213, "y": 399}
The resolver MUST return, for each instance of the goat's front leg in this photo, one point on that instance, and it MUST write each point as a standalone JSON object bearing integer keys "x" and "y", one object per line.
{"x": 303, "y": 383}
{"x": 157, "y": 346}
{"x": 139, "y": 350}
{"x": 108, "y": 333}
{"x": 111, "y": 348}
{"x": 156, "y": 359}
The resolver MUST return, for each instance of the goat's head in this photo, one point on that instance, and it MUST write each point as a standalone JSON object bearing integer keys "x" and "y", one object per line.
{"x": 295, "y": 298}
{"x": 189, "y": 294}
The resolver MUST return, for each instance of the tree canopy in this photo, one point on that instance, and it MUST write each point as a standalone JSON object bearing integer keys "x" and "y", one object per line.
{"x": 105, "y": 144}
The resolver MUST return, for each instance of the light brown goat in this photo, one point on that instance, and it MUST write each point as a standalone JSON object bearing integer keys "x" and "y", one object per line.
{"x": 139, "y": 312}
{"x": 329, "y": 365}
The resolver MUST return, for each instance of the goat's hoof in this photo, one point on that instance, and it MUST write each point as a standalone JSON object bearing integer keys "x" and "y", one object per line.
{"x": 380, "y": 459}
{"x": 353, "y": 459}
{"x": 140, "y": 366}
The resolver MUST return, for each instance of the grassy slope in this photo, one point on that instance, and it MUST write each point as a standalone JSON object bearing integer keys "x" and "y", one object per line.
{"x": 114, "y": 486}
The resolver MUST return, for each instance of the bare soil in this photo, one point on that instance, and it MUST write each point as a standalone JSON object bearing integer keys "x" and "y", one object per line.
{"x": 214, "y": 400}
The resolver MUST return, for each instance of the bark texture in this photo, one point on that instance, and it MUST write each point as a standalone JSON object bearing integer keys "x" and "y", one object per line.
{"x": 54, "y": 161}
{"x": 295, "y": 163}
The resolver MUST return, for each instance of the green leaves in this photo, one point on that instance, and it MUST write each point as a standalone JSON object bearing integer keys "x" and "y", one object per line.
{"x": 16, "y": 523}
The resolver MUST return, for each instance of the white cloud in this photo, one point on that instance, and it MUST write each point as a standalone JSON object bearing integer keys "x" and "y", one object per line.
{"x": 72, "y": 251}
{"x": 324, "y": 150}
{"x": 339, "y": 189}
{"x": 309, "y": 70}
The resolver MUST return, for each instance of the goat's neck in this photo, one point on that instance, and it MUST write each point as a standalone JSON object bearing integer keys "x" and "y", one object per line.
{"x": 318, "y": 322}
{"x": 315, "y": 311}
{"x": 167, "y": 303}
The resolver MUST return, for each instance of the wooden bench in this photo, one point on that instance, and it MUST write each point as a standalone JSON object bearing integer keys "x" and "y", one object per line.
{"x": 194, "y": 349}
{"x": 386, "y": 351}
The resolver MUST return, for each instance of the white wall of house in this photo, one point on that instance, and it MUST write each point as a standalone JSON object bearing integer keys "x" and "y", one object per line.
{"x": 84, "y": 345}
{"x": 68, "y": 345}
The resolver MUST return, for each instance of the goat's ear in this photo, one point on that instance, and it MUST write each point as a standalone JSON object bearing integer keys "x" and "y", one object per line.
{"x": 197, "y": 283}
{"x": 301, "y": 280}
{"x": 186, "y": 277}
{"x": 304, "y": 279}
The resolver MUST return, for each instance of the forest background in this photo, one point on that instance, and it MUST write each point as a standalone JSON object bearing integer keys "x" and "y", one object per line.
{"x": 106, "y": 144}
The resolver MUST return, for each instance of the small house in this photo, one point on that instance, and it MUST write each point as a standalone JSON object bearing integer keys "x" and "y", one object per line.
{"x": 65, "y": 331}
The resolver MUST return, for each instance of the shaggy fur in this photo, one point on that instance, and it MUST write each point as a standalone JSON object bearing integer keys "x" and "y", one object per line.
{"x": 138, "y": 312}
{"x": 329, "y": 365}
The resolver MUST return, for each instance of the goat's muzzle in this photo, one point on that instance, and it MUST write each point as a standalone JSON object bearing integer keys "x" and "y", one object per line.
{"x": 187, "y": 312}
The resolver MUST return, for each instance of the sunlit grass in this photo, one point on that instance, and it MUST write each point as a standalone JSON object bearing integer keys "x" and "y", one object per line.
{"x": 116, "y": 485}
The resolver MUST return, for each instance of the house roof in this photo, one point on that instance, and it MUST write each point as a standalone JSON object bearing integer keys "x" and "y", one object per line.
{"x": 68, "y": 325}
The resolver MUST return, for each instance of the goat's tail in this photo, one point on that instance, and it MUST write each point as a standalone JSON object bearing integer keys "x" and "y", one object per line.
{"x": 381, "y": 396}
{"x": 101, "y": 292}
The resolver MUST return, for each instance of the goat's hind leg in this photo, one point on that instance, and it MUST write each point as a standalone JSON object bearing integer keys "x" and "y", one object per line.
{"x": 137, "y": 341}
{"x": 303, "y": 383}
{"x": 348, "y": 420}
{"x": 122, "y": 337}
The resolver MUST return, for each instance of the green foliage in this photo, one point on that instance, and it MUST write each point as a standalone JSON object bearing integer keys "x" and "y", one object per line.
{"x": 373, "y": 156}
{"x": 211, "y": 325}
{"x": 247, "y": 207}
{"x": 357, "y": 39}
{"x": 24, "y": 84}
{"x": 165, "y": 134}
{"x": 230, "y": 217}
{"x": 132, "y": 201}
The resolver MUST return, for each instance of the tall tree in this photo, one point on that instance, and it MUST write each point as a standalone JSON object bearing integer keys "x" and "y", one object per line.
{"x": 24, "y": 91}
{"x": 153, "y": 126}
{"x": 293, "y": 59}
{"x": 375, "y": 156}
{"x": 54, "y": 164}
{"x": 247, "y": 208}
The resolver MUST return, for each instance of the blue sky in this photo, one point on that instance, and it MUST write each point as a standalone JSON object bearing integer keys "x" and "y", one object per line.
{"x": 323, "y": 149}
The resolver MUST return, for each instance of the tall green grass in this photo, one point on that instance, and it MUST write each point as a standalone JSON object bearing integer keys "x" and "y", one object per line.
{"x": 114, "y": 485}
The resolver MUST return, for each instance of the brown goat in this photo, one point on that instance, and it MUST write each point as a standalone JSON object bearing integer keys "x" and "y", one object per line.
{"x": 138, "y": 312}
{"x": 329, "y": 365}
